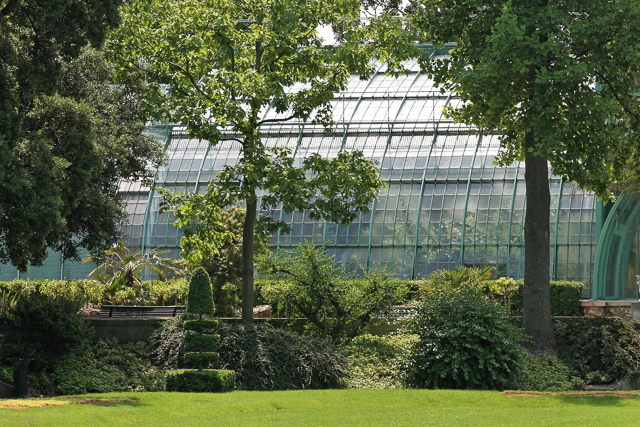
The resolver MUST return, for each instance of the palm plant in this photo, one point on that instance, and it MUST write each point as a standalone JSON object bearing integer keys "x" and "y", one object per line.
{"x": 456, "y": 278}
{"x": 120, "y": 269}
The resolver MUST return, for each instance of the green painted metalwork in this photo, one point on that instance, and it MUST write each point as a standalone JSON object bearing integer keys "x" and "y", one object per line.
{"x": 613, "y": 251}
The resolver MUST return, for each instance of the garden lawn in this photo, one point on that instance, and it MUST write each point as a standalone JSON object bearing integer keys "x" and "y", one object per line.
{"x": 331, "y": 408}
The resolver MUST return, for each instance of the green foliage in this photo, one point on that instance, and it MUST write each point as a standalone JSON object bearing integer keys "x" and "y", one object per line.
{"x": 556, "y": 81}
{"x": 6, "y": 374}
{"x": 608, "y": 348}
{"x": 202, "y": 358}
{"x": 309, "y": 282}
{"x": 456, "y": 278}
{"x": 200, "y": 298}
{"x": 225, "y": 267}
{"x": 205, "y": 381}
{"x": 546, "y": 51}
{"x": 200, "y": 325}
{"x": 377, "y": 361}
{"x": 545, "y": 374}
{"x": 151, "y": 292}
{"x": 265, "y": 358}
{"x": 166, "y": 344}
{"x": 463, "y": 342}
{"x": 258, "y": 49}
{"x": 200, "y": 302}
{"x": 120, "y": 269}
{"x": 69, "y": 131}
{"x": 44, "y": 329}
{"x": 201, "y": 340}
{"x": 565, "y": 296}
{"x": 106, "y": 367}
{"x": 169, "y": 292}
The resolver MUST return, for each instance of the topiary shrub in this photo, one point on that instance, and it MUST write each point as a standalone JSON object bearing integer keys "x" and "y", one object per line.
{"x": 205, "y": 381}
{"x": 463, "y": 342}
{"x": 599, "y": 349}
{"x": 199, "y": 342}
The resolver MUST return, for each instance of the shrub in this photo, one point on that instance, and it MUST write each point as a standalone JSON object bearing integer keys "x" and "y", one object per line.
{"x": 200, "y": 298}
{"x": 166, "y": 344}
{"x": 265, "y": 358}
{"x": 545, "y": 374}
{"x": 44, "y": 329}
{"x": 205, "y": 381}
{"x": 565, "y": 296}
{"x": 200, "y": 302}
{"x": 599, "y": 349}
{"x": 309, "y": 283}
{"x": 463, "y": 342}
{"x": 377, "y": 361}
{"x": 106, "y": 367}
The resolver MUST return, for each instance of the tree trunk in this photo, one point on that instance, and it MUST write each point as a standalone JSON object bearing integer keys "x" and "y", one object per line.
{"x": 536, "y": 317}
{"x": 247, "y": 261}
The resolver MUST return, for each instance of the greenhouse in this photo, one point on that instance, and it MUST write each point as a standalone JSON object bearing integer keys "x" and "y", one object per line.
{"x": 446, "y": 204}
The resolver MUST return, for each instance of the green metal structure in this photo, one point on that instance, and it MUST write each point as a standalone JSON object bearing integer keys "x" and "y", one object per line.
{"x": 618, "y": 254}
{"x": 446, "y": 203}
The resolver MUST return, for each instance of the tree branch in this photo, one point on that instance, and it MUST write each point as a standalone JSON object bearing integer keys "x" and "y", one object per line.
{"x": 9, "y": 7}
{"x": 615, "y": 94}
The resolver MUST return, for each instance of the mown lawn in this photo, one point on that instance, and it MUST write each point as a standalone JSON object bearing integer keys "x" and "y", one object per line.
{"x": 332, "y": 408}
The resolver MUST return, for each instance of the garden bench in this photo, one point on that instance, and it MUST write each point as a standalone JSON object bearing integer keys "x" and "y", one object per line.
{"x": 120, "y": 311}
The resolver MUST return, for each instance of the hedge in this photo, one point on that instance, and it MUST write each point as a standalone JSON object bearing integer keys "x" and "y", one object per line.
{"x": 565, "y": 297}
{"x": 205, "y": 381}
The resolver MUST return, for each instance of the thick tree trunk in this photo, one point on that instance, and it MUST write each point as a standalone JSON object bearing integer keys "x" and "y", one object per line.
{"x": 247, "y": 262}
{"x": 536, "y": 318}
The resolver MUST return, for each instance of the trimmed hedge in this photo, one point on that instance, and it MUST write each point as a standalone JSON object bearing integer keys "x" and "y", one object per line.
{"x": 205, "y": 381}
{"x": 201, "y": 341}
{"x": 565, "y": 297}
{"x": 203, "y": 357}
{"x": 200, "y": 325}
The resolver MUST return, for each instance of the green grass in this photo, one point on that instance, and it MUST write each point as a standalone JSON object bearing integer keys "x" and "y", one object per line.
{"x": 333, "y": 408}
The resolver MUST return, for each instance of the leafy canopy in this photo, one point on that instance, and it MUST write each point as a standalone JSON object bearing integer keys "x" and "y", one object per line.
{"x": 69, "y": 132}
{"x": 564, "y": 72}
{"x": 224, "y": 63}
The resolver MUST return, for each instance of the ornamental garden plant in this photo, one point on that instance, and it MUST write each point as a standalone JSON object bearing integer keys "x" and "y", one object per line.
{"x": 199, "y": 342}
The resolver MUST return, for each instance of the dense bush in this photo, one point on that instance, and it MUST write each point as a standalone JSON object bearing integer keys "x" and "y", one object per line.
{"x": 565, "y": 297}
{"x": 166, "y": 344}
{"x": 377, "y": 361}
{"x": 463, "y": 342}
{"x": 45, "y": 329}
{"x": 205, "y": 381}
{"x": 265, "y": 358}
{"x": 545, "y": 374}
{"x": 106, "y": 367}
{"x": 599, "y": 349}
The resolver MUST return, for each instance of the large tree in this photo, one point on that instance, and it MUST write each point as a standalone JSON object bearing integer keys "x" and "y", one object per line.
{"x": 68, "y": 131}
{"x": 219, "y": 63}
{"x": 555, "y": 78}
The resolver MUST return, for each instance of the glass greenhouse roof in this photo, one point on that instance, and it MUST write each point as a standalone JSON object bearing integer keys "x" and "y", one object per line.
{"x": 446, "y": 203}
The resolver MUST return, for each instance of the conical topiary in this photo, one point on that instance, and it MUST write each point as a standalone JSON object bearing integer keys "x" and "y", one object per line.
{"x": 200, "y": 302}
{"x": 200, "y": 298}
{"x": 200, "y": 343}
